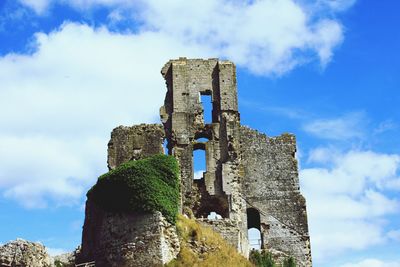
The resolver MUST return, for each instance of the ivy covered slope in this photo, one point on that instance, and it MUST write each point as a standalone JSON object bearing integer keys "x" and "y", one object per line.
{"x": 149, "y": 184}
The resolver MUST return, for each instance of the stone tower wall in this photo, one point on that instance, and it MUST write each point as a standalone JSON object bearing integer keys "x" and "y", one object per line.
{"x": 219, "y": 189}
{"x": 271, "y": 185}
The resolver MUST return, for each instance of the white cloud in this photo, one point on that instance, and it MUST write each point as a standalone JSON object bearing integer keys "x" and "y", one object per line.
{"x": 373, "y": 263}
{"x": 39, "y": 6}
{"x": 322, "y": 155}
{"x": 339, "y": 5}
{"x": 36, "y": 169}
{"x": 243, "y": 32}
{"x": 347, "y": 201}
{"x": 352, "y": 171}
{"x": 60, "y": 104}
{"x": 346, "y": 127}
{"x": 268, "y": 37}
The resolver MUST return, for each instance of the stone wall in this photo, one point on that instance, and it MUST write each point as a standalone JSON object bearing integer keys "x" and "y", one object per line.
{"x": 245, "y": 170}
{"x": 133, "y": 143}
{"x": 228, "y": 229}
{"x": 183, "y": 117}
{"x": 24, "y": 253}
{"x": 271, "y": 185}
{"x": 127, "y": 239}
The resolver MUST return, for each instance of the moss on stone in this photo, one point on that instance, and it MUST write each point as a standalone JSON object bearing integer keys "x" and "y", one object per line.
{"x": 150, "y": 184}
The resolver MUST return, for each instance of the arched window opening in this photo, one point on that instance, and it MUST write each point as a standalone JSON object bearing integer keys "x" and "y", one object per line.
{"x": 199, "y": 163}
{"x": 214, "y": 216}
{"x": 202, "y": 139}
{"x": 210, "y": 205}
{"x": 206, "y": 101}
{"x": 199, "y": 157}
{"x": 254, "y": 238}
{"x": 203, "y": 135}
{"x": 254, "y": 228}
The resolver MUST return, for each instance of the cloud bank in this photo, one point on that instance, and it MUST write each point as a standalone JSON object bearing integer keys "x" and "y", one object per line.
{"x": 60, "y": 103}
{"x": 268, "y": 37}
{"x": 347, "y": 199}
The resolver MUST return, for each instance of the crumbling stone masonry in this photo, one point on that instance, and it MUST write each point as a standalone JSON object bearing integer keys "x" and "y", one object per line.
{"x": 127, "y": 239}
{"x": 251, "y": 180}
{"x": 24, "y": 253}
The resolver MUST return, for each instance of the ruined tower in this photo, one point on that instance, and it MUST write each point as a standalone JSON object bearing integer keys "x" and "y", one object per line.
{"x": 251, "y": 180}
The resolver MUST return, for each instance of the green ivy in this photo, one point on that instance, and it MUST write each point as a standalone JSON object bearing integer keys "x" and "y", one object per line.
{"x": 150, "y": 184}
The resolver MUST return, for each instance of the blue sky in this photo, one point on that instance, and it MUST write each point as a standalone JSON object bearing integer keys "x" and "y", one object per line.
{"x": 325, "y": 70}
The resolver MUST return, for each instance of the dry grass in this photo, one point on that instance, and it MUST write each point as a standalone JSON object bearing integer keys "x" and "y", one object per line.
{"x": 202, "y": 247}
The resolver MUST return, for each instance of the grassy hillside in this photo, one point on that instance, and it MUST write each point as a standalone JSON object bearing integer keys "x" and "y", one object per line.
{"x": 202, "y": 247}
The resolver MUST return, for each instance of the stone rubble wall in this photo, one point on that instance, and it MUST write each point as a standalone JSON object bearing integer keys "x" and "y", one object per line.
{"x": 271, "y": 185}
{"x": 228, "y": 229}
{"x": 127, "y": 239}
{"x": 183, "y": 119}
{"x": 24, "y": 253}
{"x": 134, "y": 142}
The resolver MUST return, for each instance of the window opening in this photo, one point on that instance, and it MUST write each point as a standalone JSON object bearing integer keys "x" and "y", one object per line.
{"x": 165, "y": 147}
{"x": 206, "y": 102}
{"x": 214, "y": 216}
{"x": 254, "y": 238}
{"x": 254, "y": 228}
{"x": 202, "y": 139}
{"x": 199, "y": 163}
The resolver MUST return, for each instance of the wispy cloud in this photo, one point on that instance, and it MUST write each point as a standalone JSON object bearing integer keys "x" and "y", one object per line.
{"x": 349, "y": 126}
{"x": 385, "y": 126}
{"x": 394, "y": 235}
{"x": 287, "y": 112}
{"x": 39, "y": 6}
{"x": 339, "y": 5}
{"x": 323, "y": 154}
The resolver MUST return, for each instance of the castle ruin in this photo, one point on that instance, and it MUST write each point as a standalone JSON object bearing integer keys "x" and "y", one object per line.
{"x": 251, "y": 180}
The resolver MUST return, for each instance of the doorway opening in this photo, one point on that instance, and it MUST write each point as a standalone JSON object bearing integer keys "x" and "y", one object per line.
{"x": 254, "y": 229}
